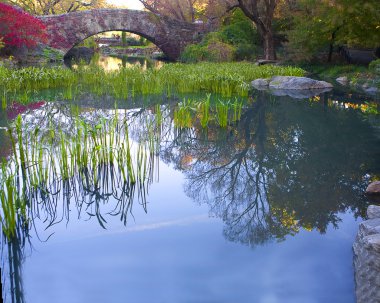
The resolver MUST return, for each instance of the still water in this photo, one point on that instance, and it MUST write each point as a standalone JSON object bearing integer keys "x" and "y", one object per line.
{"x": 109, "y": 63}
{"x": 264, "y": 210}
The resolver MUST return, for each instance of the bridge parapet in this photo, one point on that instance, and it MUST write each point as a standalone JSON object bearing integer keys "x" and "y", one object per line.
{"x": 171, "y": 36}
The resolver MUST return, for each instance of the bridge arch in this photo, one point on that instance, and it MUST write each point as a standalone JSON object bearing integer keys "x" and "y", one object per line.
{"x": 171, "y": 36}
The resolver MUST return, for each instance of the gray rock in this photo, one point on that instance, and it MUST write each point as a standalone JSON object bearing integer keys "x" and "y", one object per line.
{"x": 342, "y": 80}
{"x": 260, "y": 83}
{"x": 299, "y": 93}
{"x": 371, "y": 90}
{"x": 290, "y": 82}
{"x": 373, "y": 188}
{"x": 367, "y": 258}
{"x": 369, "y": 227}
{"x": 373, "y": 212}
{"x": 372, "y": 243}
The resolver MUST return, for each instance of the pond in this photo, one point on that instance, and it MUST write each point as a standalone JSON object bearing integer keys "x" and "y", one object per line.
{"x": 109, "y": 63}
{"x": 252, "y": 199}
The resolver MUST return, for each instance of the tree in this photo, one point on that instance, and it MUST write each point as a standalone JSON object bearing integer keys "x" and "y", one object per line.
{"x": 261, "y": 12}
{"x": 183, "y": 10}
{"x": 18, "y": 28}
{"x": 322, "y": 25}
{"x": 53, "y": 7}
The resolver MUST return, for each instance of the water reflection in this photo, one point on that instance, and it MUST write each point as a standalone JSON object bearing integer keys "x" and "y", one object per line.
{"x": 280, "y": 170}
{"x": 275, "y": 171}
{"x": 110, "y": 63}
{"x": 283, "y": 167}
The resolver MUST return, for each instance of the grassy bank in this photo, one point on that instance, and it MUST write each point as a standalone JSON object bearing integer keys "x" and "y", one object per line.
{"x": 356, "y": 75}
{"x": 226, "y": 79}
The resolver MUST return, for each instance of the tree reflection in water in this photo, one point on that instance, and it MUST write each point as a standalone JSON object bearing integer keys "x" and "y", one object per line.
{"x": 284, "y": 166}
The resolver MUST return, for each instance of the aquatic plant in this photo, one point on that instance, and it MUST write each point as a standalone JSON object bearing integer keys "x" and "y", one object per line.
{"x": 226, "y": 79}
{"x": 204, "y": 111}
{"x": 57, "y": 159}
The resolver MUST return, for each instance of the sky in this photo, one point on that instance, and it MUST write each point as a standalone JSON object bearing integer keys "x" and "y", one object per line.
{"x": 132, "y": 4}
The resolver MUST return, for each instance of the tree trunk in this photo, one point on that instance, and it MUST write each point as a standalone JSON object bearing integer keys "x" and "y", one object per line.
{"x": 268, "y": 43}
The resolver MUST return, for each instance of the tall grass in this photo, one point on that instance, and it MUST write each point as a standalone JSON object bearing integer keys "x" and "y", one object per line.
{"x": 226, "y": 79}
{"x": 91, "y": 157}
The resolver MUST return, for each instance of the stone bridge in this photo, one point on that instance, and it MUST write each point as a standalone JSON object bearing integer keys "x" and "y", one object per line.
{"x": 171, "y": 36}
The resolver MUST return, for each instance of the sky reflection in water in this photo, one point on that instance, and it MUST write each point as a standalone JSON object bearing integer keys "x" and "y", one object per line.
{"x": 287, "y": 167}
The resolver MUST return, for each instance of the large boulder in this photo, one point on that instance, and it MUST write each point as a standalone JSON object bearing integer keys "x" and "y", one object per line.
{"x": 260, "y": 84}
{"x": 367, "y": 258}
{"x": 290, "y": 82}
{"x": 373, "y": 188}
{"x": 299, "y": 93}
{"x": 373, "y": 212}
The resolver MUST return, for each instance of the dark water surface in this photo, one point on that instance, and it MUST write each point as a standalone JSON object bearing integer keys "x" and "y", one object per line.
{"x": 265, "y": 210}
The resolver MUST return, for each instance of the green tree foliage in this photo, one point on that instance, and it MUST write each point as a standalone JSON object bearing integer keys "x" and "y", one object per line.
{"x": 237, "y": 38}
{"x": 240, "y": 32}
{"x": 320, "y": 25}
{"x": 54, "y": 7}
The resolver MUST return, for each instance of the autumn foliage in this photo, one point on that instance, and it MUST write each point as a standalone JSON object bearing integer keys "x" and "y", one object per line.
{"x": 18, "y": 28}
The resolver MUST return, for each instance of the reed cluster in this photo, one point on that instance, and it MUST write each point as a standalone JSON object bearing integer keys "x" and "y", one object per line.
{"x": 225, "y": 79}
{"x": 91, "y": 157}
{"x": 220, "y": 112}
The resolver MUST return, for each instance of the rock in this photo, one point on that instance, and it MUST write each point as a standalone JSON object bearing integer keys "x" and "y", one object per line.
{"x": 367, "y": 261}
{"x": 299, "y": 93}
{"x": 371, "y": 90}
{"x": 263, "y": 62}
{"x": 290, "y": 82}
{"x": 365, "y": 85}
{"x": 372, "y": 243}
{"x": 373, "y": 212}
{"x": 369, "y": 227}
{"x": 260, "y": 83}
{"x": 342, "y": 80}
{"x": 373, "y": 188}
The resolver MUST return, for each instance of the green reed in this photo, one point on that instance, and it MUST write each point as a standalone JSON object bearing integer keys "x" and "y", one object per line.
{"x": 183, "y": 114}
{"x": 226, "y": 79}
{"x": 222, "y": 109}
{"x": 204, "y": 111}
{"x": 59, "y": 156}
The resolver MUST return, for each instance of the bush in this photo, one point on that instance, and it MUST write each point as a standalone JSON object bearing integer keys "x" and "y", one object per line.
{"x": 245, "y": 51}
{"x": 375, "y": 66}
{"x": 219, "y": 51}
{"x": 194, "y": 53}
{"x": 19, "y": 29}
{"x": 237, "y": 39}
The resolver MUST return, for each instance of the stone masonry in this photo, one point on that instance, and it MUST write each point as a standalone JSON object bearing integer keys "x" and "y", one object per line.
{"x": 171, "y": 36}
{"x": 367, "y": 258}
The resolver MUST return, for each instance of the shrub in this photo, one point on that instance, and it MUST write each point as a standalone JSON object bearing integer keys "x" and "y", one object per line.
{"x": 246, "y": 51}
{"x": 218, "y": 51}
{"x": 237, "y": 39}
{"x": 194, "y": 53}
{"x": 375, "y": 66}
{"x": 17, "y": 28}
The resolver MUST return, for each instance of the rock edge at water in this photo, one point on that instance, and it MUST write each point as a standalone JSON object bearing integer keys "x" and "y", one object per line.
{"x": 367, "y": 258}
{"x": 290, "y": 83}
{"x": 373, "y": 188}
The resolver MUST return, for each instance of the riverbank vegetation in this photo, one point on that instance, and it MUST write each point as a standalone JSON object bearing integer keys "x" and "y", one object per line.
{"x": 226, "y": 79}
{"x": 355, "y": 75}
